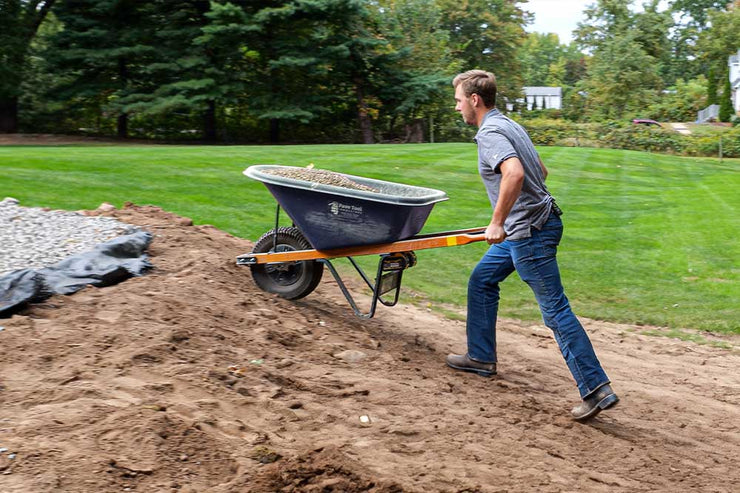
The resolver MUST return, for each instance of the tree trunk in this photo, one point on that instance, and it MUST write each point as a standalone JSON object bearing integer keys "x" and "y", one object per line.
{"x": 9, "y": 115}
{"x": 274, "y": 131}
{"x": 415, "y": 131}
{"x": 366, "y": 124}
{"x": 122, "y": 124}
{"x": 122, "y": 130}
{"x": 209, "y": 122}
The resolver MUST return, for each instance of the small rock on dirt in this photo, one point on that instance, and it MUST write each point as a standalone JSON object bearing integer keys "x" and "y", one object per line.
{"x": 350, "y": 355}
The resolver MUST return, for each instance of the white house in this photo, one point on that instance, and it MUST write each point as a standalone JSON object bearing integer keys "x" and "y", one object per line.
{"x": 734, "y": 63}
{"x": 550, "y": 98}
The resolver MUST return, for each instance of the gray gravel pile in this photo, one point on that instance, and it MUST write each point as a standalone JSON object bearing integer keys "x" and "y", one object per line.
{"x": 322, "y": 176}
{"x": 31, "y": 237}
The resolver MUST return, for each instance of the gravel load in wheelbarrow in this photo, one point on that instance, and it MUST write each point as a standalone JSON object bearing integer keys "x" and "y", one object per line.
{"x": 336, "y": 216}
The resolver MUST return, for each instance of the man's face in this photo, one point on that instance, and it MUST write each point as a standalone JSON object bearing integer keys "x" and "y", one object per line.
{"x": 464, "y": 105}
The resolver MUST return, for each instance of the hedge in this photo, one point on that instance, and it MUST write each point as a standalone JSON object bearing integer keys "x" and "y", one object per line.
{"x": 615, "y": 135}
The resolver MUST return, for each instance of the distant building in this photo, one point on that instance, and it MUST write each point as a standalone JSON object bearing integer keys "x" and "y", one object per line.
{"x": 734, "y": 63}
{"x": 550, "y": 98}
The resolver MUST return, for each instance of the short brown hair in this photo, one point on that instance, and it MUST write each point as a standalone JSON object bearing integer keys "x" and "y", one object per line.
{"x": 478, "y": 82}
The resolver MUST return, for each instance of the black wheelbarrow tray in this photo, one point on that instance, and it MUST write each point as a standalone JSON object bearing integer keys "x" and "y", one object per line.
{"x": 331, "y": 221}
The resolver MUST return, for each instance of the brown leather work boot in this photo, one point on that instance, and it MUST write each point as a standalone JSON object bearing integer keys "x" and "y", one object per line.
{"x": 464, "y": 363}
{"x": 603, "y": 398}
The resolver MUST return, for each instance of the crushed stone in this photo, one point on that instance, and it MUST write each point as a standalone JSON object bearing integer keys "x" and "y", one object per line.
{"x": 321, "y": 176}
{"x": 34, "y": 237}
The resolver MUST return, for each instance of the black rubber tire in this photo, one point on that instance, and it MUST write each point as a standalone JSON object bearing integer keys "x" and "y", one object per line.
{"x": 290, "y": 280}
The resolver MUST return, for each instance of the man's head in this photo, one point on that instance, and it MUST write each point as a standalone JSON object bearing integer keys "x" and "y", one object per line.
{"x": 475, "y": 94}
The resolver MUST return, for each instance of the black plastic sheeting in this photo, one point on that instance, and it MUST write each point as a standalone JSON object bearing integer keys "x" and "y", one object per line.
{"x": 109, "y": 263}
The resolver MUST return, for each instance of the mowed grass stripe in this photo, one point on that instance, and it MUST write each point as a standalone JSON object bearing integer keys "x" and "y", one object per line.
{"x": 649, "y": 238}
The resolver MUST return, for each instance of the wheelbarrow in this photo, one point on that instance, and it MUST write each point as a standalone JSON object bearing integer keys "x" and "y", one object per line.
{"x": 356, "y": 216}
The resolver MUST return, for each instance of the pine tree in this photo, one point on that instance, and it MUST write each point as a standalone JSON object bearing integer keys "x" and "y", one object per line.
{"x": 320, "y": 56}
{"x": 199, "y": 64}
{"x": 312, "y": 53}
{"x": 712, "y": 87}
{"x": 725, "y": 103}
{"x": 99, "y": 56}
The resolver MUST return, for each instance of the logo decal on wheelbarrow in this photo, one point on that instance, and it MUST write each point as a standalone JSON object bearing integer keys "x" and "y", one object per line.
{"x": 337, "y": 208}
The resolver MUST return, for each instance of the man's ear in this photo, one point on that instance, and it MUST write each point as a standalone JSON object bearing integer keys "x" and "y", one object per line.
{"x": 474, "y": 99}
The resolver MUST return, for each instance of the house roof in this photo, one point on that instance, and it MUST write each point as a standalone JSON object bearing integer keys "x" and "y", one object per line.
{"x": 542, "y": 91}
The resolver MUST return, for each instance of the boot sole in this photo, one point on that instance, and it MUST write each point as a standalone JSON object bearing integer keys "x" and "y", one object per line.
{"x": 482, "y": 373}
{"x": 605, "y": 403}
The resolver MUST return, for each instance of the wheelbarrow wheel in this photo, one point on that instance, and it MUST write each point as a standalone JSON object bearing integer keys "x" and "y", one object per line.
{"x": 289, "y": 280}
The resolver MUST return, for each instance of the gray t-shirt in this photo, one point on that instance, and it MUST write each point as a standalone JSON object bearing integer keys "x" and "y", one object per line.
{"x": 500, "y": 138}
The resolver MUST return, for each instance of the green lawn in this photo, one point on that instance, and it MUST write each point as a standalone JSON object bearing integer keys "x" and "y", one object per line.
{"x": 649, "y": 238}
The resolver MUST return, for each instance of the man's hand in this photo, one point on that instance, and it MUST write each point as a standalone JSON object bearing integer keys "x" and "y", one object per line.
{"x": 495, "y": 234}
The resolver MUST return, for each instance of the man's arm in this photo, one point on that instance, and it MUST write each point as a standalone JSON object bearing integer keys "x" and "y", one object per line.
{"x": 512, "y": 177}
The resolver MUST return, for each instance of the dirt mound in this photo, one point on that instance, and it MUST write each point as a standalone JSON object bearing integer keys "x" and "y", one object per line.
{"x": 191, "y": 379}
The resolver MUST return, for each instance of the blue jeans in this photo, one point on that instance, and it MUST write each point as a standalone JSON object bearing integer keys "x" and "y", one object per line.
{"x": 534, "y": 260}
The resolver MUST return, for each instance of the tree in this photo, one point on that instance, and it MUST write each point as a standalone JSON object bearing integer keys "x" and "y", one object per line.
{"x": 574, "y": 103}
{"x": 312, "y": 58}
{"x": 712, "y": 87}
{"x": 486, "y": 34}
{"x": 692, "y": 19}
{"x": 681, "y": 102}
{"x": 616, "y": 94}
{"x": 605, "y": 20}
{"x": 722, "y": 39}
{"x": 696, "y": 12}
{"x": 200, "y": 62}
{"x": 609, "y": 19}
{"x": 651, "y": 29}
{"x": 418, "y": 84}
{"x": 99, "y": 54}
{"x": 20, "y": 20}
{"x": 575, "y": 65}
{"x": 726, "y": 109}
{"x": 556, "y": 73}
{"x": 538, "y": 54}
{"x": 38, "y": 112}
{"x": 367, "y": 69}
{"x": 620, "y": 39}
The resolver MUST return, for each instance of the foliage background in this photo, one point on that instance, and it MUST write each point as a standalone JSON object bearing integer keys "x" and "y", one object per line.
{"x": 346, "y": 71}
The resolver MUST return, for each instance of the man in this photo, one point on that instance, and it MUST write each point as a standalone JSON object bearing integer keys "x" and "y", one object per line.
{"x": 524, "y": 233}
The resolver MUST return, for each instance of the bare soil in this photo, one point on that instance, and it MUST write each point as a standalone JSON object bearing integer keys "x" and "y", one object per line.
{"x": 191, "y": 379}
{"x": 59, "y": 139}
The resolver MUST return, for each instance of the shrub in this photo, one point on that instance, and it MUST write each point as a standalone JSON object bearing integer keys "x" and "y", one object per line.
{"x": 625, "y": 135}
{"x": 549, "y": 132}
{"x": 640, "y": 138}
{"x": 709, "y": 145}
